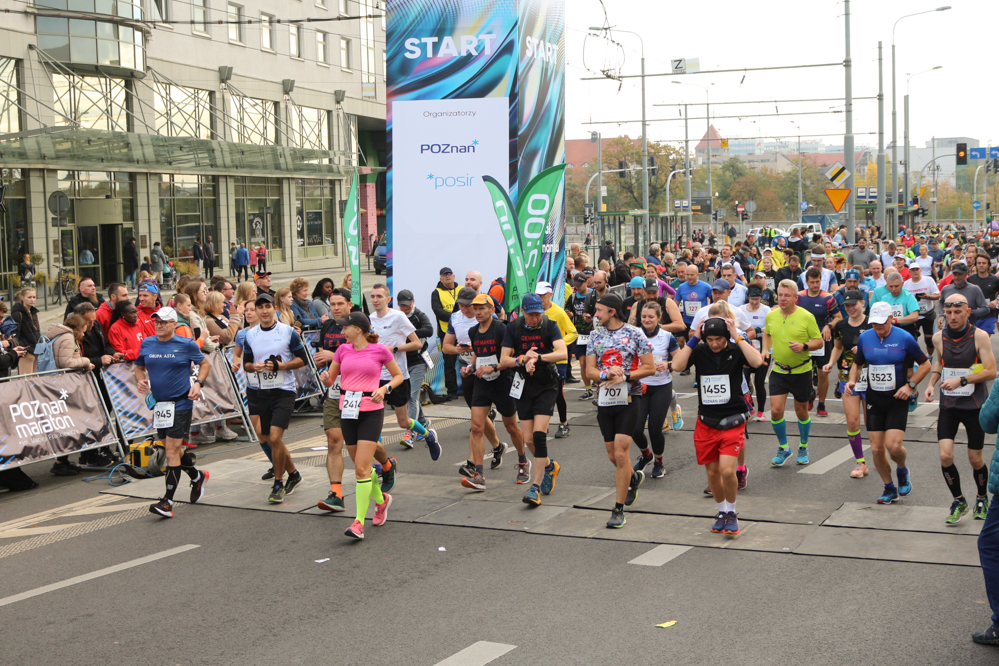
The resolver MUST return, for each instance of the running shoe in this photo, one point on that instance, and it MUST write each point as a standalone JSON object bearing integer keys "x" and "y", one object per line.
{"x": 294, "y": 479}
{"x": 658, "y": 470}
{"x": 492, "y": 413}
{"x": 268, "y": 475}
{"x": 707, "y": 490}
{"x": 822, "y": 410}
{"x": 888, "y": 496}
{"x": 202, "y": 438}
{"x": 498, "y": 452}
{"x": 617, "y": 519}
{"x": 524, "y": 472}
{"x": 837, "y": 393}
{"x": 277, "y": 494}
{"x": 476, "y": 482}
{"x": 548, "y": 481}
{"x": 433, "y": 445}
{"x": 904, "y": 481}
{"x": 533, "y": 496}
{"x": 981, "y": 508}
{"x": 720, "y": 522}
{"x": 743, "y": 478}
{"x": 860, "y": 471}
{"x": 587, "y": 394}
{"x": 760, "y": 418}
{"x": 224, "y": 433}
{"x": 356, "y": 530}
{"x": 695, "y": 383}
{"x": 641, "y": 463}
{"x": 198, "y": 487}
{"x": 388, "y": 476}
{"x": 572, "y": 380}
{"x": 407, "y": 439}
{"x": 636, "y": 482}
{"x": 802, "y": 455}
{"x": 782, "y": 455}
{"x": 594, "y": 402}
{"x": 685, "y": 373}
{"x": 381, "y": 511}
{"x": 913, "y": 401}
{"x": 562, "y": 432}
{"x": 731, "y": 523}
{"x": 677, "y": 418}
{"x": 64, "y": 469}
{"x": 958, "y": 508}
{"x": 988, "y": 637}
{"x": 333, "y": 502}
{"x": 467, "y": 469}
{"x": 162, "y": 508}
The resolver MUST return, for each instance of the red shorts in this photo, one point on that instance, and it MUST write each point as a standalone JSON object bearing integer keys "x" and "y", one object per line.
{"x": 710, "y": 443}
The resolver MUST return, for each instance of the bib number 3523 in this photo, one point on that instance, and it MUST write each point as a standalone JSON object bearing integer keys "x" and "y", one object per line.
{"x": 613, "y": 396}
{"x": 163, "y": 414}
{"x": 882, "y": 377}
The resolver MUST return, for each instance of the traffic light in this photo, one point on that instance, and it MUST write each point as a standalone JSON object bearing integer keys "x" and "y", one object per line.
{"x": 922, "y": 212}
{"x": 995, "y": 165}
{"x": 745, "y": 217}
{"x": 622, "y": 165}
{"x": 962, "y": 154}
{"x": 652, "y": 165}
{"x": 714, "y": 216}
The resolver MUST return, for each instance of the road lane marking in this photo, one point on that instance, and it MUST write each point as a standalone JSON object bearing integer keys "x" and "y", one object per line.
{"x": 35, "y": 531}
{"x": 834, "y": 459}
{"x": 98, "y": 574}
{"x": 477, "y": 654}
{"x": 107, "y": 509}
{"x": 660, "y": 555}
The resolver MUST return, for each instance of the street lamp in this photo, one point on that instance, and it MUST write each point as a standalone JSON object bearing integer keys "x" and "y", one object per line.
{"x": 645, "y": 140}
{"x": 686, "y": 148}
{"x": 894, "y": 107}
{"x": 905, "y": 133}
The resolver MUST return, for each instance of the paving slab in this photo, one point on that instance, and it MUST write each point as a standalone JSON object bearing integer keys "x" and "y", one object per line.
{"x": 899, "y": 517}
{"x": 564, "y": 494}
{"x": 893, "y": 546}
{"x": 404, "y": 509}
{"x": 493, "y": 515}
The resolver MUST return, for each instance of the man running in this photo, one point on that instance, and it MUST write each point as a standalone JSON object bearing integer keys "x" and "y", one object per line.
{"x": 964, "y": 362}
{"x": 168, "y": 358}
{"x": 989, "y": 284}
{"x": 905, "y": 309}
{"x": 576, "y": 306}
{"x": 757, "y": 377}
{"x": 889, "y": 353}
{"x": 691, "y": 296}
{"x": 569, "y": 335}
{"x": 926, "y": 293}
{"x": 823, "y": 307}
{"x": 619, "y": 353}
{"x": 960, "y": 285}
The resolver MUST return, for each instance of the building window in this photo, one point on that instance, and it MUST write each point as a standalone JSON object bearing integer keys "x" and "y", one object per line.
{"x": 309, "y": 128}
{"x": 160, "y": 10}
{"x": 321, "y": 3}
{"x": 384, "y": 65}
{"x": 13, "y": 224}
{"x": 182, "y": 111}
{"x": 343, "y": 7}
{"x": 321, "y": 50}
{"x": 345, "y": 53}
{"x": 267, "y": 32}
{"x": 95, "y": 102}
{"x": 254, "y": 121}
{"x": 10, "y": 116}
{"x": 368, "y": 64}
{"x": 294, "y": 45}
{"x": 92, "y": 42}
{"x": 315, "y": 217}
{"x": 199, "y": 14}
{"x": 187, "y": 209}
{"x": 235, "y": 25}
{"x": 87, "y": 243}
{"x": 258, "y": 214}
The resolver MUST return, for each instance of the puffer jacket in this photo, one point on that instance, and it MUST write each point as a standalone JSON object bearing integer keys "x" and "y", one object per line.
{"x": 988, "y": 418}
{"x": 65, "y": 348}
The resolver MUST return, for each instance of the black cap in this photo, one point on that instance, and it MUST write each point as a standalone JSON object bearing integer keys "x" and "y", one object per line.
{"x": 613, "y": 301}
{"x": 264, "y": 298}
{"x": 405, "y": 297}
{"x": 358, "y": 319}
{"x": 466, "y": 296}
{"x": 754, "y": 292}
{"x": 651, "y": 283}
{"x": 853, "y": 296}
{"x": 446, "y": 270}
{"x": 714, "y": 326}
{"x": 588, "y": 272}
{"x": 959, "y": 267}
{"x": 579, "y": 278}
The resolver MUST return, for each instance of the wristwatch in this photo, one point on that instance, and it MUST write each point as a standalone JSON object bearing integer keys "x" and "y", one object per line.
{"x": 964, "y": 381}
{"x": 200, "y": 383}
{"x": 395, "y": 349}
{"x": 912, "y": 385}
{"x": 388, "y": 389}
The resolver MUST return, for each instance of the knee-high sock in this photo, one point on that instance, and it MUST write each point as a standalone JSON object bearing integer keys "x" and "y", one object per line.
{"x": 418, "y": 428}
{"x": 362, "y": 497}
{"x": 857, "y": 444}
{"x": 376, "y": 489}
{"x": 172, "y": 481}
{"x": 267, "y": 450}
{"x": 780, "y": 429}
{"x": 803, "y": 429}
{"x": 953, "y": 479}
{"x": 982, "y": 480}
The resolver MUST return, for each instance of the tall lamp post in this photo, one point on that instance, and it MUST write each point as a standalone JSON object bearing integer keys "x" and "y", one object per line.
{"x": 645, "y": 138}
{"x": 905, "y": 134}
{"x": 707, "y": 115}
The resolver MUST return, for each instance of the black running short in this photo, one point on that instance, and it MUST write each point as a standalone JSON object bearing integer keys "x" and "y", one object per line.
{"x": 251, "y": 401}
{"x": 579, "y": 350}
{"x": 496, "y": 392}
{"x": 275, "y": 407}
{"x": 618, "y": 420}
{"x": 399, "y": 397}
{"x": 180, "y": 428}
{"x": 468, "y": 388}
{"x": 949, "y": 419}
{"x": 367, "y": 427}
{"x": 885, "y": 412}
{"x": 926, "y": 324}
{"x": 536, "y": 402}
{"x": 799, "y": 385}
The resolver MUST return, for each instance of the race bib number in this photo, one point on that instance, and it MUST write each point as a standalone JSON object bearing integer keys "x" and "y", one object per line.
{"x": 925, "y": 305}
{"x": 517, "y": 386}
{"x": 821, "y": 351}
{"x": 334, "y": 391}
{"x": 690, "y": 308}
{"x": 582, "y": 341}
{"x": 483, "y": 361}
{"x": 757, "y": 343}
{"x": 882, "y": 377}
{"x": 426, "y": 359}
{"x": 613, "y": 396}
{"x": 715, "y": 389}
{"x": 163, "y": 414}
{"x": 351, "y": 405}
{"x": 272, "y": 379}
{"x": 957, "y": 373}
{"x": 466, "y": 357}
{"x": 861, "y": 384}
{"x": 252, "y": 381}
{"x": 896, "y": 310}
{"x": 770, "y": 284}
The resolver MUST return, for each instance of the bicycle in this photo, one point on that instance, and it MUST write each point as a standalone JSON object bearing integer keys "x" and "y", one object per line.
{"x": 65, "y": 284}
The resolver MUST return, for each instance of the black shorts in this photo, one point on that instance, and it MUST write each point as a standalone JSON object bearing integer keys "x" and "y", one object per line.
{"x": 275, "y": 409}
{"x": 537, "y": 402}
{"x": 926, "y": 324}
{"x": 819, "y": 361}
{"x": 399, "y": 397}
{"x": 468, "y": 388}
{"x": 251, "y": 401}
{"x": 911, "y": 329}
{"x": 366, "y": 427}
{"x": 799, "y": 385}
{"x": 949, "y": 419}
{"x": 885, "y": 412}
{"x": 496, "y": 392}
{"x": 618, "y": 420}
{"x": 579, "y": 351}
{"x": 180, "y": 428}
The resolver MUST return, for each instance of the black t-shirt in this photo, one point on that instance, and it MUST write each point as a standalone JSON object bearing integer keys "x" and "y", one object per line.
{"x": 712, "y": 370}
{"x": 330, "y": 336}
{"x": 627, "y": 305}
{"x": 848, "y": 335}
{"x": 989, "y": 285}
{"x": 664, "y": 318}
{"x": 577, "y": 306}
{"x": 488, "y": 343}
{"x": 521, "y": 339}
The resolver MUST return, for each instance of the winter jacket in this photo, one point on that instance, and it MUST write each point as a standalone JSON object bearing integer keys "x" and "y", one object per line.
{"x": 197, "y": 253}
{"x": 424, "y": 329}
{"x": 146, "y": 321}
{"x": 130, "y": 260}
{"x": 8, "y": 359}
{"x": 226, "y": 330}
{"x": 76, "y": 300}
{"x": 242, "y": 257}
{"x": 65, "y": 348}
{"x": 104, "y": 313}
{"x": 158, "y": 259}
{"x": 305, "y": 314}
{"x": 28, "y": 329}
{"x": 95, "y": 345}
{"x": 198, "y": 324}
{"x": 253, "y": 256}
{"x": 988, "y": 418}
{"x": 127, "y": 338}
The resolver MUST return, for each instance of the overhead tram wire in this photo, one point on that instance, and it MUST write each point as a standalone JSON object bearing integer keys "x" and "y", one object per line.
{"x": 744, "y": 115}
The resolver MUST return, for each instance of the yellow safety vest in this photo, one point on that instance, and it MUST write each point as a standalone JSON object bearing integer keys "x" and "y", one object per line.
{"x": 448, "y": 298}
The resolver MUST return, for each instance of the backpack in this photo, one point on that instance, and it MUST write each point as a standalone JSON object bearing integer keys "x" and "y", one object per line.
{"x": 45, "y": 354}
{"x": 146, "y": 459}
{"x": 8, "y": 326}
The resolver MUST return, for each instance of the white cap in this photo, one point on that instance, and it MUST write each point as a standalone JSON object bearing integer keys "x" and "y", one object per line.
{"x": 543, "y": 288}
{"x": 166, "y": 314}
{"x": 880, "y": 313}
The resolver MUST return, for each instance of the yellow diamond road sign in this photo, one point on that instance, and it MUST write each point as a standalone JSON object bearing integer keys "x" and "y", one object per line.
{"x": 838, "y": 174}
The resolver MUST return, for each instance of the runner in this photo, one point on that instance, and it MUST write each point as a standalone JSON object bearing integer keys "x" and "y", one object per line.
{"x": 989, "y": 284}
{"x": 889, "y": 352}
{"x": 691, "y": 296}
{"x": 569, "y": 334}
{"x": 252, "y": 385}
{"x": 845, "y": 335}
{"x": 657, "y": 394}
{"x": 905, "y": 309}
{"x": 577, "y": 305}
{"x": 532, "y": 344}
{"x": 823, "y": 307}
{"x": 272, "y": 349}
{"x": 790, "y": 335}
{"x": 721, "y": 408}
{"x": 926, "y": 293}
{"x": 964, "y": 363}
{"x": 757, "y": 377}
{"x": 168, "y": 358}
{"x": 396, "y": 332}
{"x": 358, "y": 364}
{"x": 491, "y": 387}
{"x": 618, "y": 353}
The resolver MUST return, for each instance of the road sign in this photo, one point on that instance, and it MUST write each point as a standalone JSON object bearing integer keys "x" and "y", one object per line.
{"x": 724, "y": 143}
{"x": 977, "y": 153}
{"x": 872, "y": 193}
{"x": 60, "y": 221}
{"x": 750, "y": 206}
{"x": 804, "y": 205}
{"x": 862, "y": 193}
{"x": 994, "y": 152}
{"x": 838, "y": 174}
{"x": 58, "y": 203}
{"x": 740, "y": 209}
{"x": 838, "y": 197}
{"x": 922, "y": 191}
{"x": 977, "y": 205}
{"x": 679, "y": 66}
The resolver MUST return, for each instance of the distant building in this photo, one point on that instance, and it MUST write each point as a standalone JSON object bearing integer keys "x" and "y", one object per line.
{"x": 718, "y": 153}
{"x": 583, "y": 152}
{"x": 945, "y": 151}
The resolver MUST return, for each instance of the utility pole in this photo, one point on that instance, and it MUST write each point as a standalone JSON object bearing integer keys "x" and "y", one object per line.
{"x": 848, "y": 155}
{"x": 686, "y": 166}
{"x": 600, "y": 185}
{"x": 908, "y": 166}
{"x": 882, "y": 190}
{"x": 933, "y": 199}
{"x": 645, "y": 158}
{"x": 711, "y": 192}
{"x": 800, "y": 212}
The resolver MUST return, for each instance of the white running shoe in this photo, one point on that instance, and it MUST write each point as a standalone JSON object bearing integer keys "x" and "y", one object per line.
{"x": 223, "y": 432}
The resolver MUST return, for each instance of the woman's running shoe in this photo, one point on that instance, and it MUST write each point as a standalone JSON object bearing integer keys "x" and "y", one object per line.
{"x": 524, "y": 472}
{"x": 355, "y": 531}
{"x": 381, "y": 511}
{"x": 719, "y": 523}
{"x": 860, "y": 471}
{"x": 731, "y": 523}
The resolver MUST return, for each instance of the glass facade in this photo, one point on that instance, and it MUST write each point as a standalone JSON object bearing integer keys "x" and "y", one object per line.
{"x": 95, "y": 102}
{"x": 254, "y": 120}
{"x": 182, "y": 111}
{"x": 87, "y": 42}
{"x": 188, "y": 208}
{"x": 258, "y": 214}
{"x": 369, "y": 8}
{"x": 10, "y": 118}
{"x": 91, "y": 246}
{"x": 14, "y": 222}
{"x": 316, "y": 217}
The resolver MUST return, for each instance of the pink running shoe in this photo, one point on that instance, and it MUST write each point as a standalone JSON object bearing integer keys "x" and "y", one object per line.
{"x": 356, "y": 530}
{"x": 381, "y": 511}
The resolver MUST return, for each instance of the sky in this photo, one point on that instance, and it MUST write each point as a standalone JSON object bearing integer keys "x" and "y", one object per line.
{"x": 728, "y": 34}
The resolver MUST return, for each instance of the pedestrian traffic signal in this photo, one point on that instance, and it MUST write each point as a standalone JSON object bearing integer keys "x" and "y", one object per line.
{"x": 652, "y": 165}
{"x": 995, "y": 165}
{"x": 714, "y": 216}
{"x": 622, "y": 165}
{"x": 745, "y": 217}
{"x": 962, "y": 154}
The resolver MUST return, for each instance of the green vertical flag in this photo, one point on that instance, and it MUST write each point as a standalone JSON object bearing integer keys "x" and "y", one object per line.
{"x": 351, "y": 224}
{"x": 533, "y": 209}
{"x": 516, "y": 285}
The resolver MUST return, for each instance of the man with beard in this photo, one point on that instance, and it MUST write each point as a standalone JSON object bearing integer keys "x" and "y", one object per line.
{"x": 88, "y": 294}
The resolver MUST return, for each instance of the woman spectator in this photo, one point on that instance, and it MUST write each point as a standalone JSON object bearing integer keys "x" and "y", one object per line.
{"x": 218, "y": 324}
{"x": 300, "y": 306}
{"x": 126, "y": 333}
{"x": 146, "y": 266}
{"x": 283, "y": 303}
{"x": 246, "y": 292}
{"x": 157, "y": 259}
{"x": 253, "y": 260}
{"x": 181, "y": 285}
{"x": 66, "y": 350}
{"x": 321, "y": 297}
{"x": 25, "y": 314}
{"x": 262, "y": 257}
{"x": 346, "y": 283}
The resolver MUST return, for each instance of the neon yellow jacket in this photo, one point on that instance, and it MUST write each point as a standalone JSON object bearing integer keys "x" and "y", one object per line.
{"x": 565, "y": 325}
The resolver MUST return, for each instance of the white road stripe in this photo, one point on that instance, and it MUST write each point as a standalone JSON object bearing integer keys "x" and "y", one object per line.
{"x": 35, "y": 531}
{"x": 98, "y": 574}
{"x": 834, "y": 459}
{"x": 107, "y": 509}
{"x": 660, "y": 555}
{"x": 477, "y": 654}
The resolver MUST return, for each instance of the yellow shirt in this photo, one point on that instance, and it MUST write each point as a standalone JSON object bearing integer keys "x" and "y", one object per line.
{"x": 565, "y": 325}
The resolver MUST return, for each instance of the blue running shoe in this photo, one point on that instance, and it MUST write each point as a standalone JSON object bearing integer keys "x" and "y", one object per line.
{"x": 677, "y": 419}
{"x": 781, "y": 457}
{"x": 641, "y": 463}
{"x": 548, "y": 480}
{"x": 913, "y": 401}
{"x": 719, "y": 523}
{"x": 890, "y": 495}
{"x": 433, "y": 444}
{"x": 533, "y": 496}
{"x": 659, "y": 471}
{"x": 904, "y": 481}
{"x": 731, "y": 523}
{"x": 802, "y": 455}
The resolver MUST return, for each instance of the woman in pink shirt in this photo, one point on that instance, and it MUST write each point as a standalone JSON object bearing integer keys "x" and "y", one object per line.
{"x": 358, "y": 365}
{"x": 253, "y": 260}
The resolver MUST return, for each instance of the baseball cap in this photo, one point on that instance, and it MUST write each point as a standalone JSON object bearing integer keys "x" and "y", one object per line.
{"x": 714, "y": 326}
{"x": 482, "y": 299}
{"x": 257, "y": 276}
{"x": 768, "y": 249}
{"x": 636, "y": 263}
{"x": 853, "y": 296}
{"x": 915, "y": 265}
{"x": 543, "y": 288}
{"x": 405, "y": 297}
{"x": 759, "y": 273}
{"x": 263, "y": 298}
{"x": 959, "y": 267}
{"x": 151, "y": 288}
{"x": 166, "y": 314}
{"x": 721, "y": 285}
{"x": 651, "y": 284}
{"x": 637, "y": 283}
{"x": 358, "y": 319}
{"x": 589, "y": 272}
{"x": 612, "y": 301}
{"x": 579, "y": 278}
{"x": 466, "y": 296}
{"x": 531, "y": 303}
{"x": 446, "y": 270}
{"x": 852, "y": 274}
{"x": 880, "y": 313}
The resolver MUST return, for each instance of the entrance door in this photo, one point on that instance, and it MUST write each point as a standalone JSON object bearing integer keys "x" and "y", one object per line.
{"x": 111, "y": 254}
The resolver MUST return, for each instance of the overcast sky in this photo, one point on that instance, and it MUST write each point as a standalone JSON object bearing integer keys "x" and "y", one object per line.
{"x": 727, "y": 34}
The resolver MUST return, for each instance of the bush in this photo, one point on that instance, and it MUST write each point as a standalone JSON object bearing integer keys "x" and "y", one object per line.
{"x": 184, "y": 268}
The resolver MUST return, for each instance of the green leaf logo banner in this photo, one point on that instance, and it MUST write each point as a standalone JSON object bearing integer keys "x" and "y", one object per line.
{"x": 534, "y": 208}
{"x": 517, "y": 285}
{"x": 351, "y": 222}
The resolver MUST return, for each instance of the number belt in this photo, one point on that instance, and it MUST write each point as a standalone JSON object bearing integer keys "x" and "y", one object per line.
{"x": 789, "y": 368}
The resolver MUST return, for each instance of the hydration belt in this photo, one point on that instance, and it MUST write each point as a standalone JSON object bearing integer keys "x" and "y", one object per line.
{"x": 789, "y": 368}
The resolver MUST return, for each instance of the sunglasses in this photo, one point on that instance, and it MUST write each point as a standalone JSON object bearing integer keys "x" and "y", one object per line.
{"x": 955, "y": 304}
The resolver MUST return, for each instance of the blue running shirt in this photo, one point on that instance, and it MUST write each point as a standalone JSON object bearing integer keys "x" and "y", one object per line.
{"x": 887, "y": 361}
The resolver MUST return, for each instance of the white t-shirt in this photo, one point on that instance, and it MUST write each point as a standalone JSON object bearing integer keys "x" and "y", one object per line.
{"x": 731, "y": 262}
{"x": 742, "y": 321}
{"x": 881, "y": 281}
{"x": 393, "y": 329}
{"x": 759, "y": 320}
{"x": 924, "y": 286}
{"x": 660, "y": 350}
{"x": 925, "y": 263}
{"x": 739, "y": 295}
